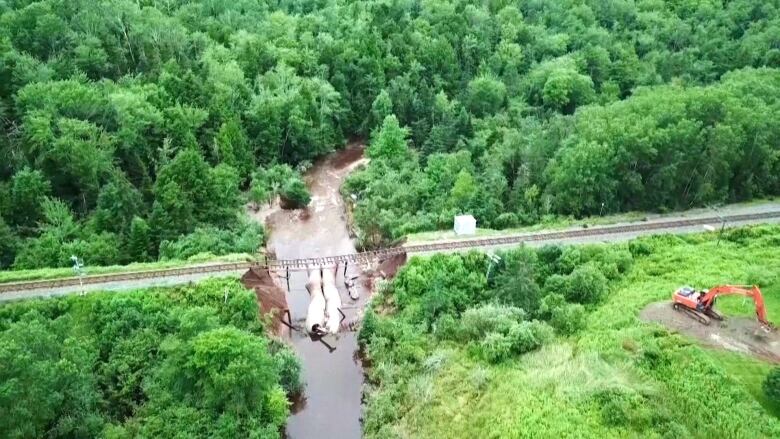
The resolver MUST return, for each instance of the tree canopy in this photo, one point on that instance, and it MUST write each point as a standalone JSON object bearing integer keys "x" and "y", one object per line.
{"x": 571, "y": 108}
{"x": 191, "y": 361}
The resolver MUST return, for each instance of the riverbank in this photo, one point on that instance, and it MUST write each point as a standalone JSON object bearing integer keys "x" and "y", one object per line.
{"x": 331, "y": 403}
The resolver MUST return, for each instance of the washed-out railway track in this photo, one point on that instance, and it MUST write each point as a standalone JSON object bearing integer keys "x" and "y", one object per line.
{"x": 378, "y": 255}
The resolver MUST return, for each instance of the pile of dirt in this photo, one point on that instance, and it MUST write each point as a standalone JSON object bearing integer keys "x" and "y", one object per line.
{"x": 738, "y": 334}
{"x": 272, "y": 298}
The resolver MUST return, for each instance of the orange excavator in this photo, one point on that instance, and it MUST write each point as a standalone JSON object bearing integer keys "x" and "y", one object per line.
{"x": 700, "y": 304}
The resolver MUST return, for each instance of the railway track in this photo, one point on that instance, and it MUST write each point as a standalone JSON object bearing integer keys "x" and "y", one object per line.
{"x": 370, "y": 256}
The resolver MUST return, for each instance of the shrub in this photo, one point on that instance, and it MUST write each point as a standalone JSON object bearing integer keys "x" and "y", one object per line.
{"x": 506, "y": 220}
{"x": 586, "y": 284}
{"x": 555, "y": 284}
{"x": 477, "y": 322}
{"x": 515, "y": 283}
{"x": 550, "y": 303}
{"x": 771, "y": 385}
{"x": 621, "y": 407}
{"x": 368, "y": 326}
{"x": 571, "y": 258}
{"x": 527, "y": 336}
{"x": 547, "y": 260}
{"x": 447, "y": 328}
{"x": 296, "y": 192}
{"x": 245, "y": 239}
{"x": 289, "y": 367}
{"x": 495, "y": 347}
{"x": 480, "y": 378}
{"x": 639, "y": 247}
{"x": 568, "y": 319}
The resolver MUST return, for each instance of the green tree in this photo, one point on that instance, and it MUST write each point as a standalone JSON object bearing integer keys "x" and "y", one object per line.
{"x": 389, "y": 144}
{"x": 172, "y": 213}
{"x": 224, "y": 198}
{"x": 48, "y": 387}
{"x": 224, "y": 375}
{"x": 463, "y": 191}
{"x": 232, "y": 148}
{"x": 771, "y": 385}
{"x": 28, "y": 189}
{"x": 8, "y": 245}
{"x": 586, "y": 284}
{"x": 296, "y": 192}
{"x": 139, "y": 240}
{"x": 118, "y": 203}
{"x": 515, "y": 282}
{"x": 486, "y": 95}
{"x": 380, "y": 109}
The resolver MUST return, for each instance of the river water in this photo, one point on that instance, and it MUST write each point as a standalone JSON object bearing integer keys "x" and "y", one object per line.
{"x": 330, "y": 406}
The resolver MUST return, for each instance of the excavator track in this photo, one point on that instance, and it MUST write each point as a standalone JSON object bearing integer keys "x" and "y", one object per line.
{"x": 696, "y": 315}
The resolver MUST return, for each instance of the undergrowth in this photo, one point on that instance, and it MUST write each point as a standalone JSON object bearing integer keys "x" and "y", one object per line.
{"x": 445, "y": 365}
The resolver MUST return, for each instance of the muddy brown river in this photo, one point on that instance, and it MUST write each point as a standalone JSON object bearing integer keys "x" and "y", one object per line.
{"x": 330, "y": 406}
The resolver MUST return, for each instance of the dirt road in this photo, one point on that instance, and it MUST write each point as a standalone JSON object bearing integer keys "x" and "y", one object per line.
{"x": 738, "y": 334}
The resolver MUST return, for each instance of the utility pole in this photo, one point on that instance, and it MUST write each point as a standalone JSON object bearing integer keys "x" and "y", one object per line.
{"x": 494, "y": 259}
{"x": 78, "y": 268}
{"x": 722, "y": 223}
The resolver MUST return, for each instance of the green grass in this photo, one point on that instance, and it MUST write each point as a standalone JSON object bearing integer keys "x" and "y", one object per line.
{"x": 559, "y": 222}
{"x": 683, "y": 389}
{"x": 748, "y": 372}
{"x": 7, "y": 276}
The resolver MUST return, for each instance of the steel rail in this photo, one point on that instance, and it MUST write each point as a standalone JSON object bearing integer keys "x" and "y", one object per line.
{"x": 374, "y": 255}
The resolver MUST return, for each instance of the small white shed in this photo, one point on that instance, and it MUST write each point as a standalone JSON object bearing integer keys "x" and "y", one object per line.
{"x": 465, "y": 225}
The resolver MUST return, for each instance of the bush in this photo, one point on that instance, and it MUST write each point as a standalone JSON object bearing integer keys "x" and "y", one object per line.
{"x": 550, "y": 303}
{"x": 477, "y": 322}
{"x": 586, "y": 284}
{"x": 620, "y": 407}
{"x": 568, "y": 319}
{"x": 556, "y": 284}
{"x": 296, "y": 192}
{"x": 527, "y": 336}
{"x": 495, "y": 347}
{"x": 571, "y": 258}
{"x": 506, "y": 220}
{"x": 515, "y": 283}
{"x": 289, "y": 367}
{"x": 771, "y": 385}
{"x": 447, "y": 328}
{"x": 639, "y": 247}
{"x": 247, "y": 238}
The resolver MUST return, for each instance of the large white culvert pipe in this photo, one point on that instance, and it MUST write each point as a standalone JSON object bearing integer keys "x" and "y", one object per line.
{"x": 332, "y": 299}
{"x": 315, "y": 316}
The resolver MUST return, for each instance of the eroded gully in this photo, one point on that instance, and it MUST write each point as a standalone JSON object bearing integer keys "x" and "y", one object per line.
{"x": 330, "y": 406}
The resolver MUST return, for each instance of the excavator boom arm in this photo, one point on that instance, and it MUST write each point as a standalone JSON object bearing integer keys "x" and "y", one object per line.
{"x": 751, "y": 291}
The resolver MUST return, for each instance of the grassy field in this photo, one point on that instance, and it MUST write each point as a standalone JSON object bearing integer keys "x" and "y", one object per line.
{"x": 7, "y": 276}
{"x": 617, "y": 377}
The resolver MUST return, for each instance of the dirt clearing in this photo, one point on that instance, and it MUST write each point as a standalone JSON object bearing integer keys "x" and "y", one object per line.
{"x": 738, "y": 334}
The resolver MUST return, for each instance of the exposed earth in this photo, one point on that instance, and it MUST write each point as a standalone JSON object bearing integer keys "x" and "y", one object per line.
{"x": 738, "y": 334}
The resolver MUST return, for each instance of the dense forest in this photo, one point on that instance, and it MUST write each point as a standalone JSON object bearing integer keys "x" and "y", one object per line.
{"x": 131, "y": 128}
{"x": 183, "y": 362}
{"x": 548, "y": 341}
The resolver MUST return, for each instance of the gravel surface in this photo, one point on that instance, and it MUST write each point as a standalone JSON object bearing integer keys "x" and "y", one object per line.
{"x": 614, "y": 237}
{"x": 619, "y": 237}
{"x": 117, "y": 286}
{"x": 737, "y": 334}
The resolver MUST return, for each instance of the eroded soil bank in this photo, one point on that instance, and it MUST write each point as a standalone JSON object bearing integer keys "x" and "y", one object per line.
{"x": 330, "y": 406}
{"x": 738, "y": 334}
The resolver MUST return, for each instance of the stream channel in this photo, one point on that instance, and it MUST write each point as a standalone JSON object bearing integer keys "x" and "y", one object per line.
{"x": 331, "y": 404}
